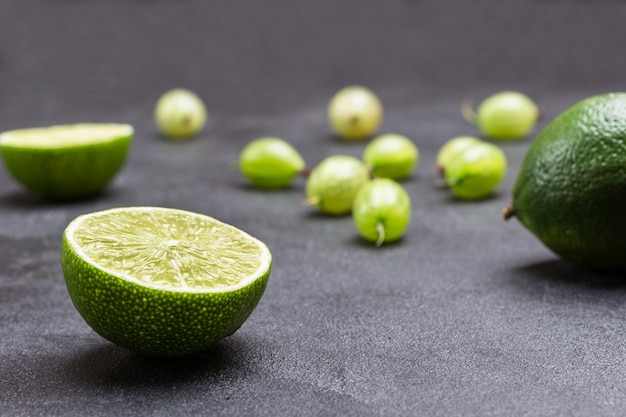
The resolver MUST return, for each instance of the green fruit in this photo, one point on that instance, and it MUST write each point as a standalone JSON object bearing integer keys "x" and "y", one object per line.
{"x": 355, "y": 113}
{"x": 391, "y": 156}
{"x": 571, "y": 188}
{"x": 476, "y": 172}
{"x": 451, "y": 149}
{"x": 508, "y": 115}
{"x": 162, "y": 282}
{"x": 180, "y": 114}
{"x": 66, "y": 162}
{"x": 381, "y": 211}
{"x": 333, "y": 184}
{"x": 270, "y": 163}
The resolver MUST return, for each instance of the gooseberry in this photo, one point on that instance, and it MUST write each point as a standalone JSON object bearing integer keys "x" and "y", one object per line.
{"x": 476, "y": 172}
{"x": 452, "y": 148}
{"x": 508, "y": 115}
{"x": 334, "y": 182}
{"x": 270, "y": 163}
{"x": 180, "y": 114}
{"x": 391, "y": 156}
{"x": 381, "y": 211}
{"x": 355, "y": 113}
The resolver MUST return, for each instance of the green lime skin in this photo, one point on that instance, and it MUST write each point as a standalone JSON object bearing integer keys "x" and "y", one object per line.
{"x": 451, "y": 149}
{"x": 570, "y": 191}
{"x": 355, "y": 113}
{"x": 270, "y": 163}
{"x": 507, "y": 115}
{"x": 382, "y": 211}
{"x": 67, "y": 173}
{"x": 391, "y": 156}
{"x": 475, "y": 173}
{"x": 155, "y": 322}
{"x": 333, "y": 184}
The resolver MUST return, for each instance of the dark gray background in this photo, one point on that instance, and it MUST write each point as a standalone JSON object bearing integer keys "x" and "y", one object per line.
{"x": 468, "y": 315}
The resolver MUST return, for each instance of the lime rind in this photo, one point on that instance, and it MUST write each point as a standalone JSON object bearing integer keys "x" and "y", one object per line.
{"x": 152, "y": 321}
{"x": 174, "y": 250}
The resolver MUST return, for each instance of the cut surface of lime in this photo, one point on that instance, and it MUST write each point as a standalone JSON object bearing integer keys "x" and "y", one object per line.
{"x": 162, "y": 281}
{"x": 66, "y": 162}
{"x": 168, "y": 249}
{"x": 65, "y": 135}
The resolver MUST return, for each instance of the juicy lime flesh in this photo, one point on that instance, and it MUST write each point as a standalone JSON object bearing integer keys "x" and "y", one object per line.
{"x": 160, "y": 319}
{"x": 571, "y": 188}
{"x": 64, "y": 135}
{"x": 165, "y": 251}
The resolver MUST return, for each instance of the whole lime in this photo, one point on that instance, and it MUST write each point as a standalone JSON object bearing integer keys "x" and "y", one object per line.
{"x": 571, "y": 188}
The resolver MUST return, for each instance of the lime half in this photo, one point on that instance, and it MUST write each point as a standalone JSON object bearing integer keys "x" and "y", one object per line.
{"x": 160, "y": 281}
{"x": 66, "y": 161}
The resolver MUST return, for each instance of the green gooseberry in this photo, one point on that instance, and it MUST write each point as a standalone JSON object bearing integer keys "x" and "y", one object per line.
{"x": 451, "y": 148}
{"x": 508, "y": 115}
{"x": 270, "y": 163}
{"x": 476, "y": 172}
{"x": 180, "y": 114}
{"x": 334, "y": 182}
{"x": 391, "y": 156}
{"x": 381, "y": 211}
{"x": 355, "y": 113}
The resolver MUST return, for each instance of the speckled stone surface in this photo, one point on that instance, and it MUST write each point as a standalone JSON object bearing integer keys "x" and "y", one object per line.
{"x": 468, "y": 315}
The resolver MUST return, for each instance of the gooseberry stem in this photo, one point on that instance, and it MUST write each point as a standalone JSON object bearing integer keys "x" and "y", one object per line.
{"x": 467, "y": 110}
{"x": 441, "y": 183}
{"x": 311, "y": 201}
{"x": 541, "y": 113}
{"x": 380, "y": 228}
{"x": 306, "y": 171}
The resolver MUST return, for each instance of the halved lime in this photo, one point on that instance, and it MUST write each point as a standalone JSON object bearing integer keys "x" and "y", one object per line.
{"x": 161, "y": 281}
{"x": 66, "y": 161}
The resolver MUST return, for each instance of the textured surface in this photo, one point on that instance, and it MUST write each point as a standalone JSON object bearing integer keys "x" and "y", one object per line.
{"x": 467, "y": 315}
